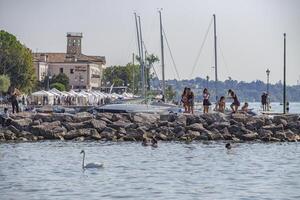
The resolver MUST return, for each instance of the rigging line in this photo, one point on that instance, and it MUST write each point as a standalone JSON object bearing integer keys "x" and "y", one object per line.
{"x": 224, "y": 60}
{"x": 201, "y": 48}
{"x": 174, "y": 64}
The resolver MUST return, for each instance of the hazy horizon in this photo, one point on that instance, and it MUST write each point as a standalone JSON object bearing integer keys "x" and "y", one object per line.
{"x": 250, "y": 33}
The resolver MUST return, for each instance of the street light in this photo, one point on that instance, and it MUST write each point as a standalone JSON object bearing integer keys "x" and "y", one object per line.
{"x": 49, "y": 77}
{"x": 268, "y": 99}
{"x": 207, "y": 80}
{"x": 268, "y": 75}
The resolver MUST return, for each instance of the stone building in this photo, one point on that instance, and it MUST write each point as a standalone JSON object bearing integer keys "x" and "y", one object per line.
{"x": 84, "y": 71}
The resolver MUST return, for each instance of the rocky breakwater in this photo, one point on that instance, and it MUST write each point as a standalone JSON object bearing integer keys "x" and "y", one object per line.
{"x": 136, "y": 126}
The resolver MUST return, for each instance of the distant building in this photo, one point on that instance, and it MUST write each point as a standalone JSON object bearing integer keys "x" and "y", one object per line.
{"x": 84, "y": 71}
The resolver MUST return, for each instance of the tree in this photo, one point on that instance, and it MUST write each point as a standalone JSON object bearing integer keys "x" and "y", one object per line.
{"x": 170, "y": 93}
{"x": 16, "y": 62}
{"x": 58, "y": 86}
{"x": 150, "y": 60}
{"x": 4, "y": 83}
{"x": 61, "y": 78}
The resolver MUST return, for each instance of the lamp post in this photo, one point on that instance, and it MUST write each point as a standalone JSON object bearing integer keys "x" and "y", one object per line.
{"x": 207, "y": 80}
{"x": 268, "y": 99}
{"x": 49, "y": 77}
{"x": 268, "y": 76}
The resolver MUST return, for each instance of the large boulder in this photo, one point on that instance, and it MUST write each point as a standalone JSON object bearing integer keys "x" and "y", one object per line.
{"x": 8, "y": 135}
{"x": 225, "y": 133}
{"x": 219, "y": 125}
{"x": 77, "y": 125}
{"x": 63, "y": 117}
{"x": 99, "y": 125}
{"x": 14, "y": 130}
{"x": 44, "y": 117}
{"x": 82, "y": 117}
{"x": 263, "y": 133}
{"x": 274, "y": 128}
{"x": 280, "y": 135}
{"x": 49, "y": 130}
{"x": 119, "y": 124}
{"x": 192, "y": 119}
{"x": 2, "y": 137}
{"x": 193, "y": 134}
{"x": 240, "y": 117}
{"x": 196, "y": 127}
{"x": 255, "y": 124}
{"x": 145, "y": 117}
{"x": 249, "y": 136}
{"x": 21, "y": 124}
{"x": 210, "y": 118}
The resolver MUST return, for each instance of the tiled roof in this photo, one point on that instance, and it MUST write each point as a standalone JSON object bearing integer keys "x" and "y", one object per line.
{"x": 63, "y": 57}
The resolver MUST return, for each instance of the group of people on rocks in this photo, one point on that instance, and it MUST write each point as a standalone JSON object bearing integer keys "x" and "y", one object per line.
{"x": 187, "y": 99}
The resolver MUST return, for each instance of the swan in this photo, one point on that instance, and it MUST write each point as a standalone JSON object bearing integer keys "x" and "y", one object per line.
{"x": 89, "y": 165}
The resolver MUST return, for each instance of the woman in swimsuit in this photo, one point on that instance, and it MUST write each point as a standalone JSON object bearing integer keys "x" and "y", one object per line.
{"x": 235, "y": 104}
{"x": 206, "y": 102}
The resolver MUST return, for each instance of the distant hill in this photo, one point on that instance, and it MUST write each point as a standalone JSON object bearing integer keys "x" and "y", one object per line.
{"x": 250, "y": 92}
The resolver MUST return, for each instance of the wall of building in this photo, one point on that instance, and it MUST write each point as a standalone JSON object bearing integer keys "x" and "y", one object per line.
{"x": 81, "y": 75}
{"x": 41, "y": 70}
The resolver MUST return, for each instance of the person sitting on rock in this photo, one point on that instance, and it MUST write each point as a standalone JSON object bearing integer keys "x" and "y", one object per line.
{"x": 220, "y": 106}
{"x": 245, "y": 107}
{"x": 5, "y": 119}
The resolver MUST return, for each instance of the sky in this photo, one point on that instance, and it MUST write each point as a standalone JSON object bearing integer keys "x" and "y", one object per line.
{"x": 249, "y": 33}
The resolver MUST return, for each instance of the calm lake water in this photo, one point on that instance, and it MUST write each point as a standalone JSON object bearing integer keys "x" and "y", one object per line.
{"x": 52, "y": 170}
{"x": 275, "y": 107}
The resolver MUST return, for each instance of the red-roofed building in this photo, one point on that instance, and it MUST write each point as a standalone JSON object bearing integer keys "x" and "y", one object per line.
{"x": 84, "y": 71}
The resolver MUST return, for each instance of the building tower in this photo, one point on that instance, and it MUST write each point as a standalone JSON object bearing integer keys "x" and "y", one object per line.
{"x": 74, "y": 43}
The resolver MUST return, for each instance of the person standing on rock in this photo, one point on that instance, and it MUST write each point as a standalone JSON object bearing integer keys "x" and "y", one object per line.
{"x": 264, "y": 102}
{"x": 206, "y": 102}
{"x": 184, "y": 99}
{"x": 14, "y": 103}
{"x": 236, "y": 103}
{"x": 190, "y": 98}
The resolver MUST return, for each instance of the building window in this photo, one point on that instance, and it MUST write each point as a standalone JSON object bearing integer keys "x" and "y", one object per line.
{"x": 71, "y": 71}
{"x": 61, "y": 70}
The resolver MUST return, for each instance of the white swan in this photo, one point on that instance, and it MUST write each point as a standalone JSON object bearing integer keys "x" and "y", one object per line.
{"x": 89, "y": 165}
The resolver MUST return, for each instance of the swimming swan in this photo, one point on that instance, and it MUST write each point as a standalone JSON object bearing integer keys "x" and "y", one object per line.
{"x": 89, "y": 165}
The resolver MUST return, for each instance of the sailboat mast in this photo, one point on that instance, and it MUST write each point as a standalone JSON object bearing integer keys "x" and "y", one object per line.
{"x": 284, "y": 73}
{"x": 216, "y": 57}
{"x": 142, "y": 58}
{"x": 162, "y": 54}
{"x": 138, "y": 38}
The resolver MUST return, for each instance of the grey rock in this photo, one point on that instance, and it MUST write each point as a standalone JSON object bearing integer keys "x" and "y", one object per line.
{"x": 21, "y": 124}
{"x": 118, "y": 124}
{"x": 99, "y": 125}
{"x": 82, "y": 117}
{"x": 196, "y": 127}
{"x": 219, "y": 125}
{"x": 249, "y": 136}
{"x": 274, "y": 128}
{"x": 280, "y": 135}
